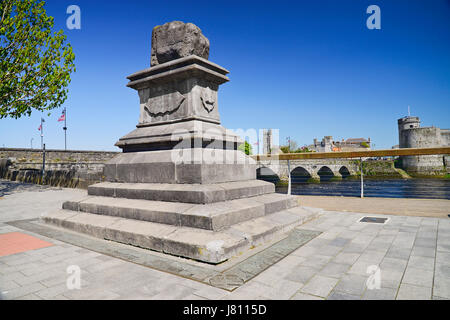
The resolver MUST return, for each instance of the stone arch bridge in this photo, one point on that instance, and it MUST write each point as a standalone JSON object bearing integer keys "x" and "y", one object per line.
{"x": 304, "y": 169}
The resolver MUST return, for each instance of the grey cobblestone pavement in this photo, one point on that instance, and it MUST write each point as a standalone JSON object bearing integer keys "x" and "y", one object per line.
{"x": 410, "y": 256}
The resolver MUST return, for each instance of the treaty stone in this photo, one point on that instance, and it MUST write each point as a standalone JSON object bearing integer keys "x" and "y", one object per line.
{"x": 176, "y": 39}
{"x": 181, "y": 186}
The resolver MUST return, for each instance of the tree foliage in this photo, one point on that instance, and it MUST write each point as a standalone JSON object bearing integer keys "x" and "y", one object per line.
{"x": 304, "y": 149}
{"x": 35, "y": 63}
{"x": 245, "y": 147}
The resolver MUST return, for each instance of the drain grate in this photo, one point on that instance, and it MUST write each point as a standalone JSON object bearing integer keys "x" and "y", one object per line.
{"x": 373, "y": 220}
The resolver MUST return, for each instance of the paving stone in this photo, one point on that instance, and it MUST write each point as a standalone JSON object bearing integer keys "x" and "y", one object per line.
{"x": 301, "y": 274}
{"x": 49, "y": 293}
{"x": 336, "y": 295}
{"x": 443, "y": 246}
{"x": 423, "y": 251}
{"x": 391, "y": 278}
{"x": 398, "y": 252}
{"x": 12, "y": 277}
{"x": 249, "y": 291}
{"x": 304, "y": 296}
{"x": 380, "y": 246}
{"x": 419, "y": 277}
{"x": 192, "y": 297}
{"x": 439, "y": 298}
{"x": 211, "y": 293}
{"x": 334, "y": 270}
{"x": 441, "y": 287}
{"x": 380, "y": 294}
{"x": 354, "y": 247}
{"x": 443, "y": 257}
{"x": 90, "y": 294}
{"x": 360, "y": 267}
{"x": 393, "y": 264}
{"x": 319, "y": 286}
{"x": 8, "y": 285}
{"x": 31, "y": 296}
{"x": 282, "y": 290}
{"x": 372, "y": 256}
{"x": 22, "y": 260}
{"x": 35, "y": 270}
{"x": 346, "y": 258}
{"x": 425, "y": 242}
{"x": 442, "y": 270}
{"x": 305, "y": 251}
{"x": 329, "y": 250}
{"x": 424, "y": 263}
{"x": 317, "y": 261}
{"x": 104, "y": 265}
{"x": 412, "y": 292}
{"x": 173, "y": 292}
{"x": 22, "y": 291}
{"x": 339, "y": 242}
{"x": 353, "y": 284}
{"x": 363, "y": 239}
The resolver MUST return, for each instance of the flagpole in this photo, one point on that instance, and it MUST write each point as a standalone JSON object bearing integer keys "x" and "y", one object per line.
{"x": 42, "y": 134}
{"x": 65, "y": 129}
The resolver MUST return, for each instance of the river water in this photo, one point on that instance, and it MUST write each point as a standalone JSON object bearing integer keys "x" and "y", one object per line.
{"x": 401, "y": 188}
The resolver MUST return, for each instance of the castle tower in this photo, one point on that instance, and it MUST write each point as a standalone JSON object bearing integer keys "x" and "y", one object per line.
{"x": 412, "y": 135}
{"x": 406, "y": 123}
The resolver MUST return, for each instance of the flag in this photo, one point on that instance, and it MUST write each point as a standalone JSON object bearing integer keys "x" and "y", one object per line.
{"x": 63, "y": 116}
{"x": 42, "y": 121}
{"x": 256, "y": 143}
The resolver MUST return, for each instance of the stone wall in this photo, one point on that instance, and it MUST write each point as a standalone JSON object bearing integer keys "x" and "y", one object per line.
{"x": 424, "y": 138}
{"x": 75, "y": 169}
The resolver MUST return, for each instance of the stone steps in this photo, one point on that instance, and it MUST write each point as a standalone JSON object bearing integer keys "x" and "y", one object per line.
{"x": 212, "y": 216}
{"x": 203, "y": 245}
{"x": 188, "y": 193}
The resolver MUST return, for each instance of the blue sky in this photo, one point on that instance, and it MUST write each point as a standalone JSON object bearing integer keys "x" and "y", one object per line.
{"x": 309, "y": 68}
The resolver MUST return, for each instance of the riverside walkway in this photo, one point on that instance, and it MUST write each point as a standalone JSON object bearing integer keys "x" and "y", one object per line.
{"x": 412, "y": 253}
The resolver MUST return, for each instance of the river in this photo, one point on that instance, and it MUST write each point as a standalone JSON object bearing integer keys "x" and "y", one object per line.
{"x": 394, "y": 188}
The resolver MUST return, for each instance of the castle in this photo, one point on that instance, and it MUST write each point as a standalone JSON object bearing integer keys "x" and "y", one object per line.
{"x": 412, "y": 135}
{"x": 329, "y": 145}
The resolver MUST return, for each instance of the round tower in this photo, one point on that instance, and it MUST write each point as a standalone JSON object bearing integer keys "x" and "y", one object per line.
{"x": 406, "y": 123}
{"x": 411, "y": 135}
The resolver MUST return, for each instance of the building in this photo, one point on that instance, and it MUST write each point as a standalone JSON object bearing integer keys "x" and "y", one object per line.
{"x": 329, "y": 145}
{"x": 412, "y": 135}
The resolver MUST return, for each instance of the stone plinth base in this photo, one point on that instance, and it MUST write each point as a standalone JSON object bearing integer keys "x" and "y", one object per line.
{"x": 194, "y": 243}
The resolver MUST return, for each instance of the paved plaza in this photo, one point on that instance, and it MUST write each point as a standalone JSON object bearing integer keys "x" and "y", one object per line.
{"x": 404, "y": 258}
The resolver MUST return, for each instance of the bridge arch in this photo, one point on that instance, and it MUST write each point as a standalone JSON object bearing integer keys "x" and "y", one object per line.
{"x": 300, "y": 175}
{"x": 325, "y": 173}
{"x": 267, "y": 174}
{"x": 345, "y": 173}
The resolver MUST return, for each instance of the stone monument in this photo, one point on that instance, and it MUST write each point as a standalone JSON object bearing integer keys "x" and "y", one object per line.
{"x": 181, "y": 186}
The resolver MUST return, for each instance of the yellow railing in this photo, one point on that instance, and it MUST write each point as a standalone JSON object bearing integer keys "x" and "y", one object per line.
{"x": 354, "y": 154}
{"x": 351, "y": 154}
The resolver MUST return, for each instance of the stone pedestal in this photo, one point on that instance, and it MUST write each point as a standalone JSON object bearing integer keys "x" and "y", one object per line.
{"x": 181, "y": 186}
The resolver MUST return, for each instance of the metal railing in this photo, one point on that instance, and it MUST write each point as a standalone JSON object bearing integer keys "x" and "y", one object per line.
{"x": 351, "y": 154}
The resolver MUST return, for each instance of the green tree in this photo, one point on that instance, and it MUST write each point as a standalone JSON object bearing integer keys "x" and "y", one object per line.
{"x": 246, "y": 147}
{"x": 35, "y": 64}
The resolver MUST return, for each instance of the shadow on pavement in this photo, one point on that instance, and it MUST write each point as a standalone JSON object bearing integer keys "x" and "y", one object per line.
{"x": 11, "y": 187}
